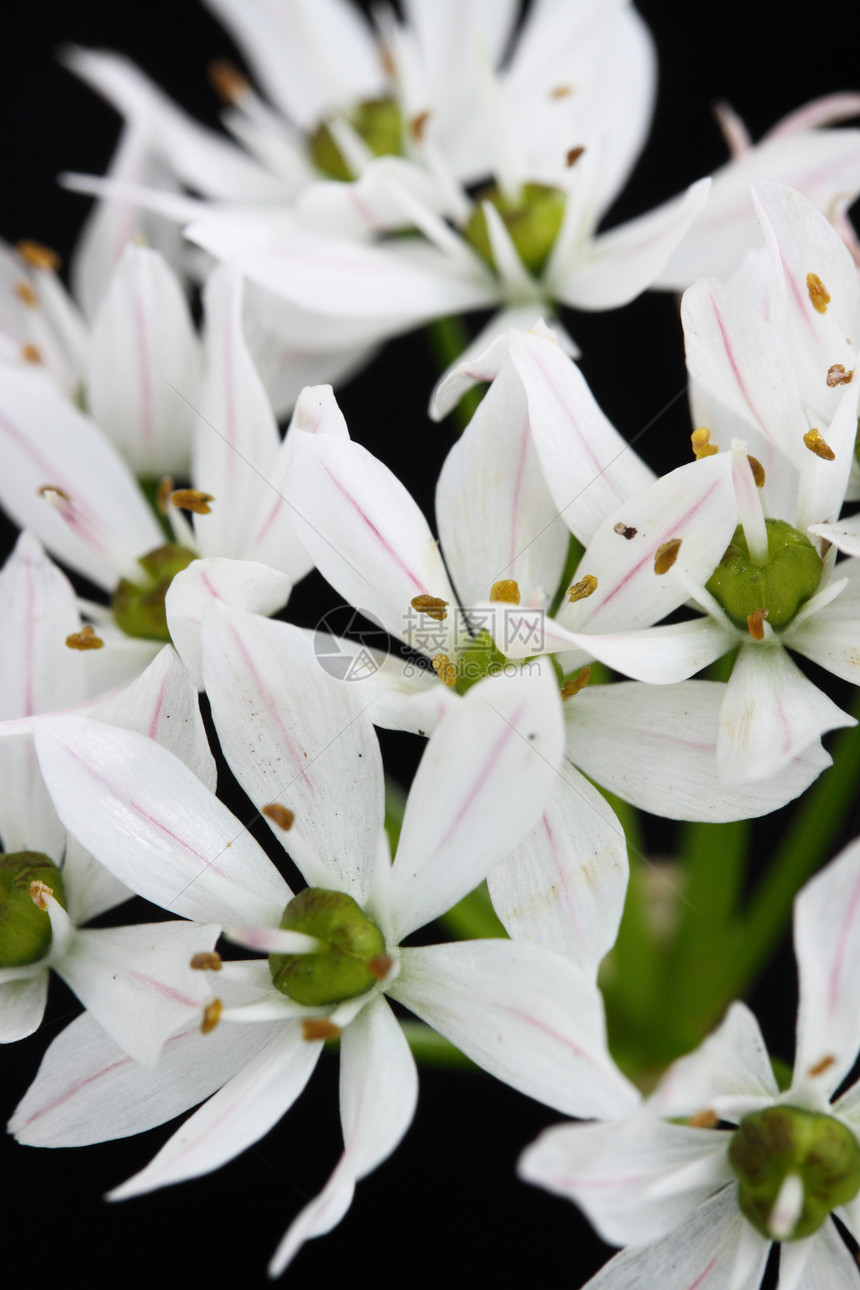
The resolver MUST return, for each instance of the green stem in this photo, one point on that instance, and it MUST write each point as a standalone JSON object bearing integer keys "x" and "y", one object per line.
{"x": 804, "y": 848}
{"x": 448, "y": 338}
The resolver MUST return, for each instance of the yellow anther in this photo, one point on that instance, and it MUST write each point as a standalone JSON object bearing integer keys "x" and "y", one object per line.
{"x": 418, "y": 125}
{"x": 41, "y": 257}
{"x": 211, "y": 1016}
{"x": 280, "y": 815}
{"x": 507, "y": 591}
{"x": 31, "y": 353}
{"x": 319, "y": 1028}
{"x": 704, "y": 1120}
{"x": 380, "y": 966}
{"x": 51, "y": 492}
{"x": 755, "y": 624}
{"x": 824, "y": 1065}
{"x": 624, "y": 530}
{"x": 582, "y": 589}
{"x": 837, "y": 375}
{"x": 84, "y": 639}
{"x": 757, "y": 470}
{"x": 576, "y": 683}
{"x": 701, "y": 441}
{"x": 206, "y": 961}
{"x": 573, "y": 155}
{"x": 445, "y": 669}
{"x": 191, "y": 499}
{"x": 163, "y": 494}
{"x": 818, "y": 294}
{"x": 227, "y": 81}
{"x": 432, "y": 606}
{"x": 38, "y": 891}
{"x": 25, "y": 292}
{"x": 561, "y": 91}
{"x": 666, "y": 555}
{"x": 816, "y": 443}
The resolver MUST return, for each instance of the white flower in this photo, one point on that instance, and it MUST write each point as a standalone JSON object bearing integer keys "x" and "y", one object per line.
{"x": 100, "y": 523}
{"x": 134, "y": 981}
{"x": 530, "y": 1017}
{"x": 678, "y": 1195}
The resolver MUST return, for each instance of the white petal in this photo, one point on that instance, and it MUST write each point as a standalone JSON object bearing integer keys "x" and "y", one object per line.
{"x": 364, "y": 532}
{"x": 564, "y": 885}
{"x": 236, "y": 439}
{"x": 309, "y": 57}
{"x": 295, "y": 738}
{"x": 149, "y": 820}
{"x": 739, "y": 359}
{"x": 137, "y": 983}
{"x": 526, "y": 1015}
{"x": 613, "y": 1172}
{"x": 823, "y": 1262}
{"x": 844, "y": 534}
{"x": 694, "y": 505}
{"x": 378, "y": 1093}
{"x": 627, "y": 259}
{"x": 770, "y": 714}
{"x": 143, "y": 362}
{"x": 731, "y": 1066}
{"x": 660, "y": 655}
{"x": 22, "y": 1005}
{"x": 589, "y": 468}
{"x": 656, "y": 747}
{"x": 88, "y": 1090}
{"x": 162, "y": 704}
{"x": 495, "y": 515}
{"x": 717, "y": 1250}
{"x": 482, "y": 782}
{"x": 236, "y": 1117}
{"x": 827, "y": 946}
{"x": 256, "y": 587}
{"x": 46, "y": 442}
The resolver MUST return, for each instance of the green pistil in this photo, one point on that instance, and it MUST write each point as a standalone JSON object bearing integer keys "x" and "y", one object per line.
{"x": 533, "y": 220}
{"x": 378, "y": 122}
{"x": 779, "y": 587}
{"x": 769, "y": 1146}
{"x": 350, "y": 964}
{"x": 139, "y": 606}
{"x": 477, "y": 659}
{"x": 25, "y": 929}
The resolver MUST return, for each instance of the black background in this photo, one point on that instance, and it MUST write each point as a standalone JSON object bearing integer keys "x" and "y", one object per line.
{"x": 446, "y": 1208}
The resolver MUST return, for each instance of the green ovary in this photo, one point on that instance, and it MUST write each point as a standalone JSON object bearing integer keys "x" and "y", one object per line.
{"x": 138, "y": 607}
{"x": 779, "y": 587}
{"x": 779, "y": 1141}
{"x": 378, "y": 122}
{"x": 533, "y": 220}
{"x": 340, "y": 970}
{"x": 25, "y": 929}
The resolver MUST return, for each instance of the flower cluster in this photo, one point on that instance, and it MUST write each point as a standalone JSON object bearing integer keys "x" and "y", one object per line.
{"x": 577, "y": 639}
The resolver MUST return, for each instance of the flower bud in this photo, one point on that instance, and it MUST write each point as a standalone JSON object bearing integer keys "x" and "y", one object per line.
{"x": 339, "y": 971}
{"x": 25, "y": 928}
{"x": 771, "y": 1145}
{"x": 377, "y": 121}
{"x": 777, "y": 588}
{"x": 533, "y": 220}
{"x": 139, "y": 606}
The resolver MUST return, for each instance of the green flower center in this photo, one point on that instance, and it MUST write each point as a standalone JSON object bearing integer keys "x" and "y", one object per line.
{"x": 478, "y": 658}
{"x": 139, "y": 606}
{"x": 25, "y": 928}
{"x": 379, "y": 122}
{"x": 350, "y": 962}
{"x": 778, "y": 588}
{"x": 782, "y": 1141}
{"x": 533, "y": 220}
